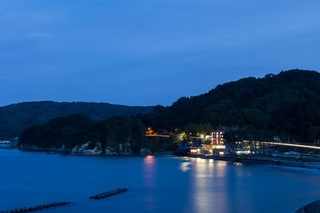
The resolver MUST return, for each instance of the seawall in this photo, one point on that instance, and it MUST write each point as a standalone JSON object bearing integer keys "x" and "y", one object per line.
{"x": 261, "y": 160}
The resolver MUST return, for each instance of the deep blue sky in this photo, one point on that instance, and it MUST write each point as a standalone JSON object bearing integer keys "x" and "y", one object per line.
{"x": 148, "y": 52}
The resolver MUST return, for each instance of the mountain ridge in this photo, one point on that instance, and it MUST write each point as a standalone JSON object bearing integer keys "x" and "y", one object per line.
{"x": 286, "y": 103}
{"x": 18, "y": 116}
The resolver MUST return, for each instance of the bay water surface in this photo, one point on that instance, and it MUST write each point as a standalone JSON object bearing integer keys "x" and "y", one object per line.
{"x": 155, "y": 184}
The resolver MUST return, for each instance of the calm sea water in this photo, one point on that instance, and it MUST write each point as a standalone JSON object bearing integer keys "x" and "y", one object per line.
{"x": 155, "y": 184}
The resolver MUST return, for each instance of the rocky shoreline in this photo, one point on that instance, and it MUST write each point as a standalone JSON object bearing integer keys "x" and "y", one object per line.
{"x": 310, "y": 208}
{"x": 253, "y": 159}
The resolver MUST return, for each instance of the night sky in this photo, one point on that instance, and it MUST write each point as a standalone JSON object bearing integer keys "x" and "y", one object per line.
{"x": 148, "y": 52}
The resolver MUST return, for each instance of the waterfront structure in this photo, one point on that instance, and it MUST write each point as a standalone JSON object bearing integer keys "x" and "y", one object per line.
{"x": 218, "y": 137}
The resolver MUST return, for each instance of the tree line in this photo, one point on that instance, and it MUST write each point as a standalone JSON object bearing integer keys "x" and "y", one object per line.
{"x": 16, "y": 117}
{"x": 119, "y": 134}
{"x": 283, "y": 106}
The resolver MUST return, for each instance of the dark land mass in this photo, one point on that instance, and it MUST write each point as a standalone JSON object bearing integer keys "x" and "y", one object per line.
{"x": 17, "y": 117}
{"x": 285, "y": 105}
{"x": 312, "y": 207}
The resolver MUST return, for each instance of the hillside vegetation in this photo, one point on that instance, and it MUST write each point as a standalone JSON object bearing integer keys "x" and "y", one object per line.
{"x": 286, "y": 105}
{"x": 119, "y": 134}
{"x": 16, "y": 117}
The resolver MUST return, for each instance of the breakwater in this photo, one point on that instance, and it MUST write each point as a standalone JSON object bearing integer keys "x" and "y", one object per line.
{"x": 109, "y": 193}
{"x": 35, "y": 208}
{"x": 56, "y": 204}
{"x": 282, "y": 161}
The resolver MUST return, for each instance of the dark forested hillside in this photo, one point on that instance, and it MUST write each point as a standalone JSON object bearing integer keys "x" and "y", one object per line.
{"x": 16, "y": 117}
{"x": 286, "y": 104}
{"x": 70, "y": 131}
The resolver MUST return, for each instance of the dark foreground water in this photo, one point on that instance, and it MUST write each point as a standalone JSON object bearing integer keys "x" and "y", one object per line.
{"x": 155, "y": 184}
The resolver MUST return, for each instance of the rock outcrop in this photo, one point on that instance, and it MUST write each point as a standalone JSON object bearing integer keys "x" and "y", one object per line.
{"x": 310, "y": 208}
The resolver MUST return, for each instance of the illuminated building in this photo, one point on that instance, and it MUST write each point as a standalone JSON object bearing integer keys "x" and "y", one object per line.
{"x": 218, "y": 137}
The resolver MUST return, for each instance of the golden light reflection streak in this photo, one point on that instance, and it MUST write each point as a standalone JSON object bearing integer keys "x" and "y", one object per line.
{"x": 294, "y": 145}
{"x": 149, "y": 181}
{"x": 149, "y": 173}
{"x": 205, "y": 172}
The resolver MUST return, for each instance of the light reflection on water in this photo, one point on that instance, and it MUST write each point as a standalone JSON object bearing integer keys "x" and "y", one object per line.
{"x": 219, "y": 186}
{"x": 155, "y": 184}
{"x": 149, "y": 181}
{"x": 206, "y": 197}
{"x": 185, "y": 166}
{"x": 149, "y": 174}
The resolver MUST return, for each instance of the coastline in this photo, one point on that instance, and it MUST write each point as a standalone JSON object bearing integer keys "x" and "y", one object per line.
{"x": 252, "y": 159}
{"x": 309, "y": 208}
{"x": 261, "y": 160}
